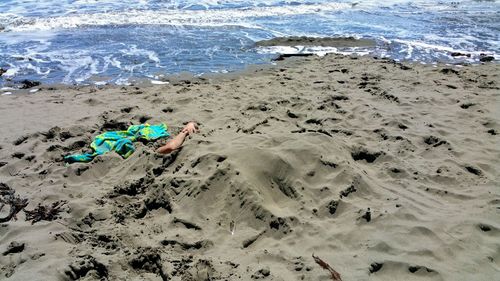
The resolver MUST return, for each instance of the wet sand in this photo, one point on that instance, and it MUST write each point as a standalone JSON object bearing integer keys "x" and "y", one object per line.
{"x": 338, "y": 42}
{"x": 386, "y": 171}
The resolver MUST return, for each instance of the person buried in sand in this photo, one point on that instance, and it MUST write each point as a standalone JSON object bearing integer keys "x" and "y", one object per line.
{"x": 122, "y": 141}
{"x": 177, "y": 141}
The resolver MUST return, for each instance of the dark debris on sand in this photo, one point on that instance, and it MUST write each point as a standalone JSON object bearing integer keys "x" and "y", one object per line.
{"x": 8, "y": 197}
{"x": 42, "y": 212}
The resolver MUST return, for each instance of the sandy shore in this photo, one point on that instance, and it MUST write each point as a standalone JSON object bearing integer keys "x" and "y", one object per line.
{"x": 386, "y": 171}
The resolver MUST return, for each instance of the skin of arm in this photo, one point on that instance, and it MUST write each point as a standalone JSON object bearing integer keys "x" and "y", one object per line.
{"x": 173, "y": 144}
{"x": 178, "y": 140}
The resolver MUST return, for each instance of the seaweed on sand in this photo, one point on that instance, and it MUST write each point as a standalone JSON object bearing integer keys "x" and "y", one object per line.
{"x": 8, "y": 197}
{"x": 42, "y": 212}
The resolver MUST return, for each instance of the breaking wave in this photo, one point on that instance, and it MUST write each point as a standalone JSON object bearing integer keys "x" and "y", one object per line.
{"x": 217, "y": 17}
{"x": 116, "y": 41}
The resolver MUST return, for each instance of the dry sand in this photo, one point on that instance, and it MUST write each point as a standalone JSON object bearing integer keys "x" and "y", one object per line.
{"x": 294, "y": 154}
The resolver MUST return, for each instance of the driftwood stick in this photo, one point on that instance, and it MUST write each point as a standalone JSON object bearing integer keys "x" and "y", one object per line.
{"x": 334, "y": 275}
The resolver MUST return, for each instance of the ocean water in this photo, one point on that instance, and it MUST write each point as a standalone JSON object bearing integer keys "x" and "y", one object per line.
{"x": 120, "y": 41}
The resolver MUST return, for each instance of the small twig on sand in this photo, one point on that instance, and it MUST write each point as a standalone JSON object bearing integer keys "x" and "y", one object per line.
{"x": 42, "y": 212}
{"x": 8, "y": 197}
{"x": 334, "y": 274}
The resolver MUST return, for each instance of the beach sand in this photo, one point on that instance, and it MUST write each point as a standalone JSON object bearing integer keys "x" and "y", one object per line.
{"x": 386, "y": 171}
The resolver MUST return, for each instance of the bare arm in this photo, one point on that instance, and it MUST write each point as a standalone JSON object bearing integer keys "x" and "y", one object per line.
{"x": 178, "y": 140}
{"x": 173, "y": 144}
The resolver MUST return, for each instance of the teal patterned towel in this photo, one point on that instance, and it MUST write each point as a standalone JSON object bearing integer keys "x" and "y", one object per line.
{"x": 120, "y": 141}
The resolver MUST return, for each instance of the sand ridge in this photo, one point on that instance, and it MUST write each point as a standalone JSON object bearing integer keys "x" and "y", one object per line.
{"x": 387, "y": 171}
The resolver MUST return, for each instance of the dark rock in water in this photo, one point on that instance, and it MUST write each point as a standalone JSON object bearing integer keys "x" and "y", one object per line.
{"x": 2, "y": 71}
{"x": 457, "y": 54}
{"x": 284, "y": 56}
{"x": 486, "y": 58}
{"x": 313, "y": 41}
{"x": 26, "y": 84}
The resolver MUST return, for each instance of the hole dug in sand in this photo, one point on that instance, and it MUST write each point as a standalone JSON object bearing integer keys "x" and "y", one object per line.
{"x": 363, "y": 154}
{"x": 86, "y": 266}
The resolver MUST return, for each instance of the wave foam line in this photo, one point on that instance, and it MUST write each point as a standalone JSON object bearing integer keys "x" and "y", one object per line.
{"x": 317, "y": 50}
{"x": 168, "y": 17}
{"x": 428, "y": 46}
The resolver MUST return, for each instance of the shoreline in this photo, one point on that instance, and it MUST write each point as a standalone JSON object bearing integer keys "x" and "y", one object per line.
{"x": 385, "y": 170}
{"x": 177, "y": 78}
{"x": 27, "y": 85}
